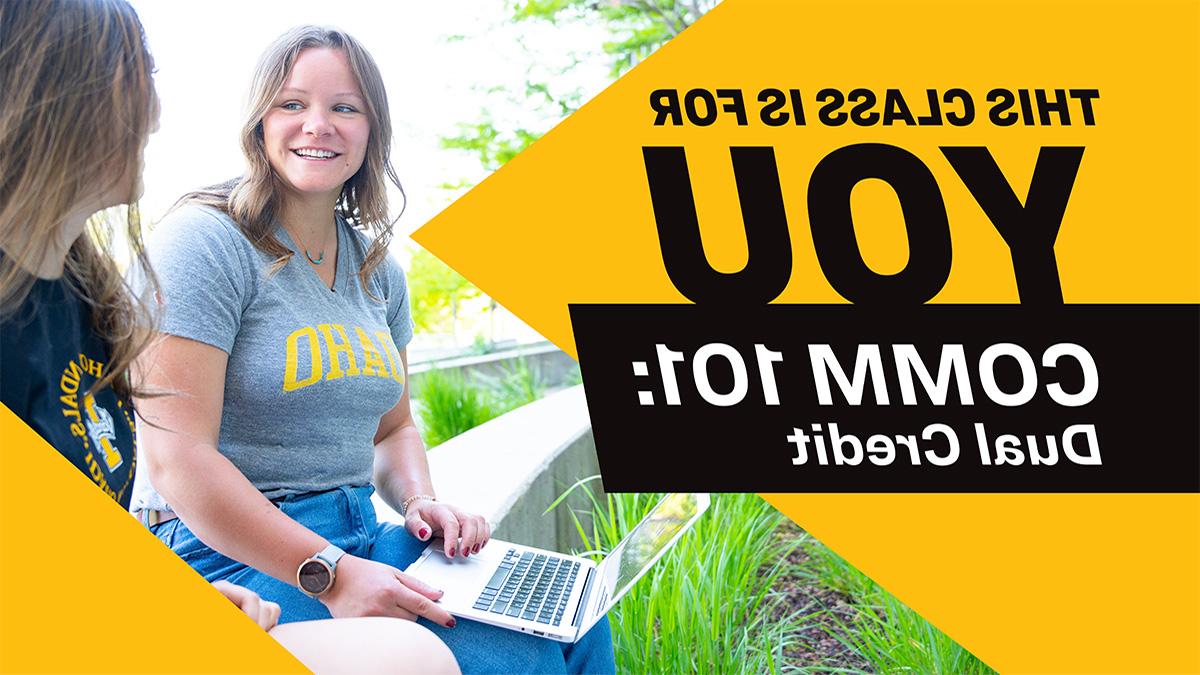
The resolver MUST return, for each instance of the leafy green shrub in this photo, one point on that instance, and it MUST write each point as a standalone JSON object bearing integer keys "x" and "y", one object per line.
{"x": 706, "y": 605}
{"x": 449, "y": 406}
{"x": 480, "y": 345}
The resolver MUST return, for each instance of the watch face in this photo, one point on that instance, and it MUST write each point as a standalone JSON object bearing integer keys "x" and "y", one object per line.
{"x": 314, "y": 577}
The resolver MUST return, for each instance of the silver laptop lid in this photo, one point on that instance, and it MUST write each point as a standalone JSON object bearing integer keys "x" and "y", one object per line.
{"x": 641, "y": 548}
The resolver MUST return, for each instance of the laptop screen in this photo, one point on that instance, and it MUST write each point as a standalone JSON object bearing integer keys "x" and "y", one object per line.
{"x": 651, "y": 537}
{"x": 644, "y": 545}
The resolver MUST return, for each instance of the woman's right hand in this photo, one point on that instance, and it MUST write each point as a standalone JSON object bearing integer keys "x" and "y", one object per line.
{"x": 368, "y": 588}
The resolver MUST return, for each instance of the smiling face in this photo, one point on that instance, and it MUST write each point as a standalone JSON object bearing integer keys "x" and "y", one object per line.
{"x": 315, "y": 133}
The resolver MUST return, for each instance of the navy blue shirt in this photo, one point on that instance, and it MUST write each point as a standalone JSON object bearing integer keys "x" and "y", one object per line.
{"x": 49, "y": 357}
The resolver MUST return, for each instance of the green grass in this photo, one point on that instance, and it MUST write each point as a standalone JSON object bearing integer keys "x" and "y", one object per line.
{"x": 885, "y": 632}
{"x": 450, "y": 404}
{"x": 520, "y": 382}
{"x": 827, "y": 569}
{"x": 705, "y": 607}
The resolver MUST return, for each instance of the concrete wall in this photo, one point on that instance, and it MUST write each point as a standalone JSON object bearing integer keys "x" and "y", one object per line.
{"x": 553, "y": 364}
{"x": 512, "y": 468}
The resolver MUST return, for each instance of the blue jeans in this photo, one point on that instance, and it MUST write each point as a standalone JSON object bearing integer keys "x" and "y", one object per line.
{"x": 346, "y": 518}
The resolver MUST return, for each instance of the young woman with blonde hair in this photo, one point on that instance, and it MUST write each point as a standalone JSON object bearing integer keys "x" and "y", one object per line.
{"x": 79, "y": 105}
{"x": 285, "y": 328}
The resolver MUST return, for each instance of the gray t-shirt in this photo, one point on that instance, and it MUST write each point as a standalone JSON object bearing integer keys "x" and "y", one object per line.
{"x": 311, "y": 370}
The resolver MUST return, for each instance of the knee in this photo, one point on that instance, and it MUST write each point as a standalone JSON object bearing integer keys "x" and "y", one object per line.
{"x": 366, "y": 645}
{"x": 416, "y": 647}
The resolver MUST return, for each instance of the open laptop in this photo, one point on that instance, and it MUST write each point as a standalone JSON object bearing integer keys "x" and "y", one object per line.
{"x": 550, "y": 594}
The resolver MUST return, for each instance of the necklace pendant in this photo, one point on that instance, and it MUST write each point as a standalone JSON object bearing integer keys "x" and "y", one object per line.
{"x": 316, "y": 261}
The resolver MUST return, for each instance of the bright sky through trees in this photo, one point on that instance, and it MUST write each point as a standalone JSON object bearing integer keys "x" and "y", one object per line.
{"x": 437, "y": 59}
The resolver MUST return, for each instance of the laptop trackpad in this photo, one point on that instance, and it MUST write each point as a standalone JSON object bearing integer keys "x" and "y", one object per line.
{"x": 461, "y": 579}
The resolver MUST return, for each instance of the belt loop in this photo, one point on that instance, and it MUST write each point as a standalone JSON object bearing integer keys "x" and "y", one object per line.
{"x": 346, "y": 492}
{"x": 358, "y": 496}
{"x": 352, "y": 507}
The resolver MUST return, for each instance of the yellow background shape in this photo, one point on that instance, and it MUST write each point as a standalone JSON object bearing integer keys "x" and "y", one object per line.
{"x": 575, "y": 207}
{"x": 1046, "y": 583}
{"x": 85, "y": 588}
{"x": 1040, "y": 583}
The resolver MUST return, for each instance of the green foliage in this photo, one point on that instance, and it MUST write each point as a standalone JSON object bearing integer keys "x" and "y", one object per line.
{"x": 520, "y": 382}
{"x": 893, "y": 638}
{"x": 706, "y": 605}
{"x": 435, "y": 292}
{"x": 573, "y": 376}
{"x": 637, "y": 27}
{"x": 829, "y": 570}
{"x": 480, "y": 345}
{"x": 887, "y": 633}
{"x": 449, "y": 406}
{"x": 493, "y": 146}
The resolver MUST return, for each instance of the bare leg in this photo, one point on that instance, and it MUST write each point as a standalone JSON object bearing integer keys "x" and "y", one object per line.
{"x": 365, "y": 646}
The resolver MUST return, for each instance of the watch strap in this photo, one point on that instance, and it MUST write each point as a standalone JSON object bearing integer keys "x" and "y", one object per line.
{"x": 331, "y": 555}
{"x": 328, "y": 557}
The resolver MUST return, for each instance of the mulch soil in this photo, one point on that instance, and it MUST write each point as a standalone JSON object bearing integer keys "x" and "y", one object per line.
{"x": 827, "y": 613}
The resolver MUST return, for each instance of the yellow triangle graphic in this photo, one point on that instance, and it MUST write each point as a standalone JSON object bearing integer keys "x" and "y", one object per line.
{"x": 85, "y": 588}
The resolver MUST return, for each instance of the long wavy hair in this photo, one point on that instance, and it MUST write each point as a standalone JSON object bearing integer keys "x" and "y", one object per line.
{"x": 78, "y": 97}
{"x": 255, "y": 199}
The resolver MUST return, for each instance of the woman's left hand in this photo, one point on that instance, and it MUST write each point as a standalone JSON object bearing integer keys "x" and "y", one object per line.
{"x": 426, "y": 518}
{"x": 264, "y": 612}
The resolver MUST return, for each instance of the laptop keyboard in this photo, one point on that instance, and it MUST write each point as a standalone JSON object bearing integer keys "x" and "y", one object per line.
{"x": 530, "y": 586}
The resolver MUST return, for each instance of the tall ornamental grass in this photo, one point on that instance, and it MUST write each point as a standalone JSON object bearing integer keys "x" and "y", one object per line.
{"x": 705, "y": 607}
{"x": 448, "y": 406}
{"x": 885, "y": 632}
{"x": 449, "y": 403}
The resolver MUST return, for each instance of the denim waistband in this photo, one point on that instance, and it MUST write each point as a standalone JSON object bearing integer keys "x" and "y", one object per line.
{"x": 345, "y": 515}
{"x": 350, "y": 492}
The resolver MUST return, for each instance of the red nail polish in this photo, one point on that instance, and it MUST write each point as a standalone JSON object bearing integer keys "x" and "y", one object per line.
{"x": 476, "y": 549}
{"x": 453, "y": 551}
{"x": 451, "y": 623}
{"x": 423, "y": 533}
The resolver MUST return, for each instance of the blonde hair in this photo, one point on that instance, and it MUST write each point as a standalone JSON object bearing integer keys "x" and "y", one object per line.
{"x": 76, "y": 77}
{"x": 254, "y": 200}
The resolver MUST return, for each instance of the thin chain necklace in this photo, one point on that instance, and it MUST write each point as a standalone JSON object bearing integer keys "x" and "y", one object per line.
{"x": 320, "y": 256}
